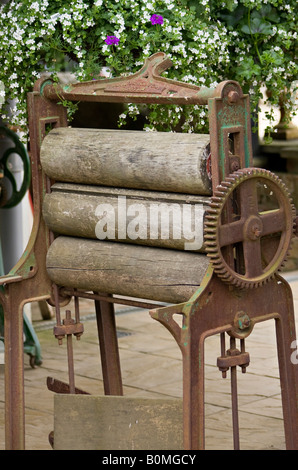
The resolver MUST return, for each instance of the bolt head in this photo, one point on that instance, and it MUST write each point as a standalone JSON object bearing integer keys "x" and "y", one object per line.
{"x": 243, "y": 322}
{"x": 233, "y": 96}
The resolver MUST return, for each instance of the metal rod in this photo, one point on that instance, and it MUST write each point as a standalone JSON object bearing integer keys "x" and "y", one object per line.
{"x": 223, "y": 350}
{"x": 57, "y": 304}
{"x": 77, "y": 309}
{"x": 115, "y": 300}
{"x": 242, "y": 348}
{"x": 70, "y": 358}
{"x": 234, "y": 394}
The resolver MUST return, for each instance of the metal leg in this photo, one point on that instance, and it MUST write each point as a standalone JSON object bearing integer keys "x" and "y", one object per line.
{"x": 241, "y": 311}
{"x": 288, "y": 379}
{"x": 108, "y": 344}
{"x": 14, "y": 376}
{"x": 194, "y": 395}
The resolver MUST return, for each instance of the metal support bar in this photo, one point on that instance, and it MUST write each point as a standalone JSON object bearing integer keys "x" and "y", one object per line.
{"x": 111, "y": 299}
{"x": 108, "y": 344}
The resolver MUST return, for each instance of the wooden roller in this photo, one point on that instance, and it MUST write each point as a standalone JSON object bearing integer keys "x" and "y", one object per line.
{"x": 161, "y": 161}
{"x": 129, "y": 270}
{"x": 144, "y": 217}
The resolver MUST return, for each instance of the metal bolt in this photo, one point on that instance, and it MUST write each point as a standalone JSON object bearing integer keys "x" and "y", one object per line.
{"x": 256, "y": 231}
{"x": 235, "y": 166}
{"x": 233, "y": 96}
{"x": 243, "y": 322}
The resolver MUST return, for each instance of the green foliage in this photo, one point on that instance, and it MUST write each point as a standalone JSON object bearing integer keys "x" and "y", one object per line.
{"x": 251, "y": 41}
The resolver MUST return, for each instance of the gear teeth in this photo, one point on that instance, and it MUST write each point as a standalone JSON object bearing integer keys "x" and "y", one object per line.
{"x": 212, "y": 214}
{"x": 218, "y": 200}
{"x": 210, "y": 226}
{"x": 219, "y": 194}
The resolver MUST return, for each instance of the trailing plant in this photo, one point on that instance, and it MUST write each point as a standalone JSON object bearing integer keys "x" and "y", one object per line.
{"x": 251, "y": 41}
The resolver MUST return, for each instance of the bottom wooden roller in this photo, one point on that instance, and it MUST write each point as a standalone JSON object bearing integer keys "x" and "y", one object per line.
{"x": 129, "y": 270}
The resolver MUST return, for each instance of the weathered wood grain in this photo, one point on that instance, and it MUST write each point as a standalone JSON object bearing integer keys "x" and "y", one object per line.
{"x": 161, "y": 161}
{"x": 130, "y": 270}
{"x": 92, "y": 422}
{"x": 143, "y": 217}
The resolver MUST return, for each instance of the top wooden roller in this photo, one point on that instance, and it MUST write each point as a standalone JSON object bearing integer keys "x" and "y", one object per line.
{"x": 162, "y": 161}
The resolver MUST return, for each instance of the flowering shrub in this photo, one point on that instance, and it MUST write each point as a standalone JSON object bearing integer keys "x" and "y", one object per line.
{"x": 251, "y": 41}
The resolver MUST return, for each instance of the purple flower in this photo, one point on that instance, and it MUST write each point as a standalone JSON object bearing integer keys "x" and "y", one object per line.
{"x": 156, "y": 19}
{"x": 112, "y": 40}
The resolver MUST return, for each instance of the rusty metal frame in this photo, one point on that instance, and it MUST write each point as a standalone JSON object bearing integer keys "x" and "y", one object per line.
{"x": 229, "y": 115}
{"x": 202, "y": 318}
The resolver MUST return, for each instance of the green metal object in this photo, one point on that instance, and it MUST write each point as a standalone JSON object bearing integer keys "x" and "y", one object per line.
{"x": 19, "y": 149}
{"x": 31, "y": 343}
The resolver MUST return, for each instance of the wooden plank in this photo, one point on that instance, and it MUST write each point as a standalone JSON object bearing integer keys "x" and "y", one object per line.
{"x": 161, "y": 161}
{"x": 130, "y": 270}
{"x": 91, "y": 422}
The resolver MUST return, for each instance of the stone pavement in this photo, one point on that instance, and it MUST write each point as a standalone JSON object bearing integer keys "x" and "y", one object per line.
{"x": 152, "y": 367}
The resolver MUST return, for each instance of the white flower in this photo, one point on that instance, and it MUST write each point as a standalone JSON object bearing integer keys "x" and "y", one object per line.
{"x": 35, "y": 6}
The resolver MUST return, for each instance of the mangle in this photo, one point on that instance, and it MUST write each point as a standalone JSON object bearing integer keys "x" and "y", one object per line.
{"x": 226, "y": 287}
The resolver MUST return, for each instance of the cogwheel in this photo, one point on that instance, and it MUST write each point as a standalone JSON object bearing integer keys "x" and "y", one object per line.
{"x": 249, "y": 227}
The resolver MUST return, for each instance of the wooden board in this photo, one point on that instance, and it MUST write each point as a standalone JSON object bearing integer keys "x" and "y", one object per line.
{"x": 161, "y": 161}
{"x": 90, "y": 422}
{"x": 118, "y": 268}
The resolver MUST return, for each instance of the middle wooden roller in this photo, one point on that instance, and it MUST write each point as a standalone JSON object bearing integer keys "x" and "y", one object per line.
{"x": 143, "y": 217}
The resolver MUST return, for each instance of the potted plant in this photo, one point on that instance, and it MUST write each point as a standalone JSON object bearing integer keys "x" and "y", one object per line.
{"x": 251, "y": 41}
